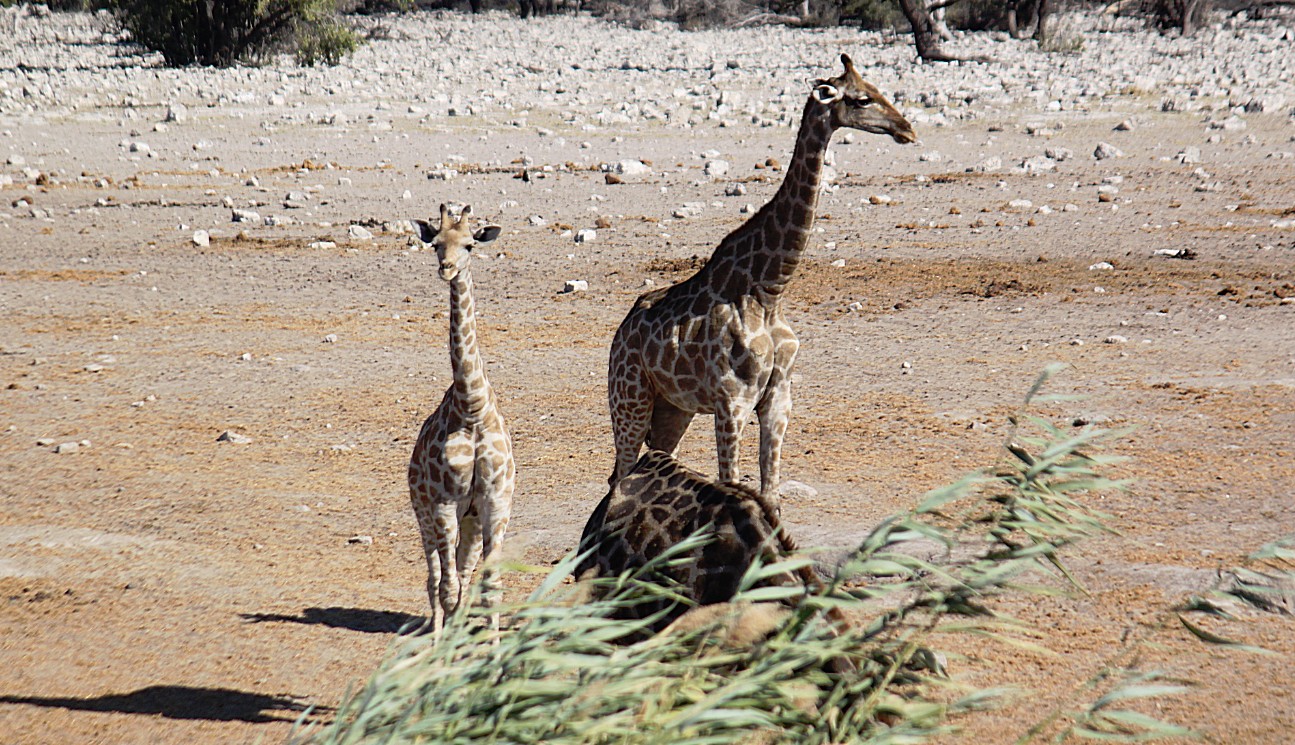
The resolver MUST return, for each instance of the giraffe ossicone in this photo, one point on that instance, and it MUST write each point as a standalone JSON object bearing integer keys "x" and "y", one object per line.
{"x": 717, "y": 343}
{"x": 461, "y": 472}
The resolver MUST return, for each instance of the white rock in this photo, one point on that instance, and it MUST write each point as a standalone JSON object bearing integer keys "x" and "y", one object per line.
{"x": 791, "y": 489}
{"x": 234, "y": 437}
{"x": 1101, "y": 266}
{"x": 201, "y": 238}
{"x": 177, "y": 113}
{"x": 67, "y": 447}
{"x": 1039, "y": 164}
{"x": 322, "y": 244}
{"x": 1190, "y": 154}
{"x": 246, "y": 216}
{"x": 359, "y": 233}
{"x": 714, "y": 168}
{"x": 988, "y": 165}
{"x": 586, "y": 235}
{"x": 330, "y": 339}
{"x": 361, "y": 540}
{"x": 1020, "y": 204}
{"x": 1115, "y": 339}
{"x": 575, "y": 285}
{"x": 1105, "y": 151}
{"x": 631, "y": 168}
{"x": 1059, "y": 154}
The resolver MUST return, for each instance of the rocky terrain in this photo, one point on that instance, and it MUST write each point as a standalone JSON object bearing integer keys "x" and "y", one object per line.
{"x": 218, "y": 341}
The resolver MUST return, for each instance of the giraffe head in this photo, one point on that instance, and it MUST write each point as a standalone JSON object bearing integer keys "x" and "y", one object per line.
{"x": 856, "y": 103}
{"x": 454, "y": 239}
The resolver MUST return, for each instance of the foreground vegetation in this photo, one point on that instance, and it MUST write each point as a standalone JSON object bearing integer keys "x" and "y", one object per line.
{"x": 769, "y": 667}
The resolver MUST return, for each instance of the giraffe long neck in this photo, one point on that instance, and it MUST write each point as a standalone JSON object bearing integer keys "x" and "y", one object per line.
{"x": 471, "y": 388}
{"x": 760, "y": 257}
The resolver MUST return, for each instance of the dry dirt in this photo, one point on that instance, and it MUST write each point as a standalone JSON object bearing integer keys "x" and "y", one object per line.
{"x": 160, "y": 586}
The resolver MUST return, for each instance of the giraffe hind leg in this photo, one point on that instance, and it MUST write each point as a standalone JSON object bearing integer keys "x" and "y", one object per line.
{"x": 669, "y": 423}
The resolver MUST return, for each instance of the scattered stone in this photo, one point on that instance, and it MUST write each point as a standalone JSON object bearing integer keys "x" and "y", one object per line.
{"x": 46, "y": 442}
{"x": 1039, "y": 164}
{"x": 360, "y": 540}
{"x": 575, "y": 285}
{"x": 1059, "y": 154}
{"x": 1190, "y": 154}
{"x": 176, "y": 113}
{"x": 715, "y": 168}
{"x": 201, "y": 238}
{"x": 1115, "y": 339}
{"x": 246, "y": 216}
{"x": 880, "y": 199}
{"x": 322, "y": 244}
{"x": 1106, "y": 151}
{"x": 1124, "y": 126}
{"x": 67, "y": 447}
{"x": 359, "y": 233}
{"x": 631, "y": 168}
{"x": 442, "y": 174}
{"x": 988, "y": 165}
{"x": 1020, "y": 204}
{"x": 792, "y": 489}
{"x": 586, "y": 235}
{"x": 1101, "y": 266}
{"x": 1175, "y": 253}
{"x": 330, "y": 339}
{"x": 537, "y": 221}
{"x": 236, "y": 438}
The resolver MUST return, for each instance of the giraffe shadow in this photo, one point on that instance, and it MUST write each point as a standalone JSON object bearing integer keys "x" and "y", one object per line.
{"x": 181, "y": 702}
{"x": 355, "y": 619}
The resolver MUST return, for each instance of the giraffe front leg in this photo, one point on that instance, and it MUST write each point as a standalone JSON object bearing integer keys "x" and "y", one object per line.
{"x": 730, "y": 420}
{"x": 496, "y": 510}
{"x": 446, "y": 518}
{"x": 774, "y": 412}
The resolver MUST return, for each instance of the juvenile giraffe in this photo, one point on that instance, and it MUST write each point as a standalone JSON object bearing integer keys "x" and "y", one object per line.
{"x": 717, "y": 342}
{"x": 461, "y": 473}
{"x": 657, "y": 504}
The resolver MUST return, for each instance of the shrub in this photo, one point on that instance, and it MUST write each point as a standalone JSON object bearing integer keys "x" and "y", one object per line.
{"x": 327, "y": 43}
{"x": 222, "y": 33}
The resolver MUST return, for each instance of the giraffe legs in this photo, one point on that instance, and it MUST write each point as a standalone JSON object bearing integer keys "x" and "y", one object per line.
{"x": 630, "y": 403}
{"x": 669, "y": 423}
{"x": 774, "y": 412}
{"x": 730, "y": 420}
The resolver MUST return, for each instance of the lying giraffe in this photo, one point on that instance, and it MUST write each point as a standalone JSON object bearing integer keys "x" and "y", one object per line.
{"x": 717, "y": 343}
{"x": 461, "y": 473}
{"x": 658, "y": 504}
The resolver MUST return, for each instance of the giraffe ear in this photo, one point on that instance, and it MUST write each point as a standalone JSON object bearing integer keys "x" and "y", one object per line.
{"x": 848, "y": 63}
{"x": 826, "y": 93}
{"x": 486, "y": 233}
{"x": 426, "y": 233}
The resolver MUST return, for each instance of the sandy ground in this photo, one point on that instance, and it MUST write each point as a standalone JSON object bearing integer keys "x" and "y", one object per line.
{"x": 157, "y": 585}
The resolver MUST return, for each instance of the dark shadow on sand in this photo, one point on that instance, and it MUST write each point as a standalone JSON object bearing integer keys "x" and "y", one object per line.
{"x": 181, "y": 702}
{"x": 355, "y": 619}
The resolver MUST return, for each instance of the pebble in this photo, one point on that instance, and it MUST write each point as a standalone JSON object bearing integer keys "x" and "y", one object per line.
{"x": 201, "y": 238}
{"x": 67, "y": 447}
{"x": 246, "y": 216}
{"x": 233, "y": 437}
{"x": 1115, "y": 339}
{"x": 1038, "y": 164}
{"x": 1101, "y": 266}
{"x": 359, "y": 233}
{"x": 330, "y": 339}
{"x": 586, "y": 235}
{"x": 361, "y": 540}
{"x": 322, "y": 244}
{"x": 575, "y": 285}
{"x": 715, "y": 168}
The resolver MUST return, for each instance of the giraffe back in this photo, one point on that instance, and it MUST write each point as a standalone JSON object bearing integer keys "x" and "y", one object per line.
{"x": 658, "y": 504}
